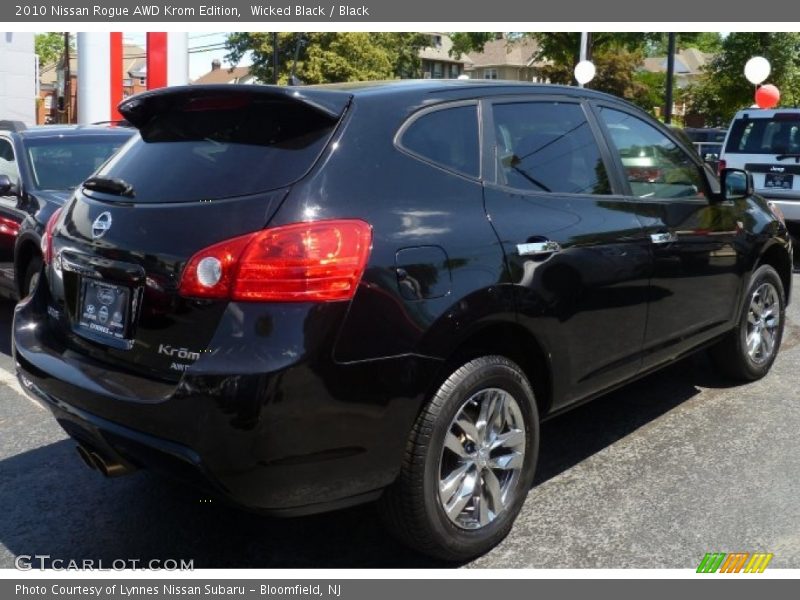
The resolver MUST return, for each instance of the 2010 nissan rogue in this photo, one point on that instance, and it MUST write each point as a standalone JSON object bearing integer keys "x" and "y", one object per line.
{"x": 309, "y": 298}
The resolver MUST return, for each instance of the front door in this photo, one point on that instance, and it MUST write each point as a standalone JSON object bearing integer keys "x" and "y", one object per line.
{"x": 575, "y": 251}
{"x": 695, "y": 239}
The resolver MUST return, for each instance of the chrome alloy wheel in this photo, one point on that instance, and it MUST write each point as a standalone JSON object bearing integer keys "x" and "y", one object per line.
{"x": 763, "y": 321}
{"x": 482, "y": 458}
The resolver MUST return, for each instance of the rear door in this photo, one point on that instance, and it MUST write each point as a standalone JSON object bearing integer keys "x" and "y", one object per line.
{"x": 695, "y": 241}
{"x": 575, "y": 250}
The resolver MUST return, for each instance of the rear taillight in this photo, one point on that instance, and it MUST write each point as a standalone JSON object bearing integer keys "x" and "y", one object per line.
{"x": 645, "y": 175}
{"x": 9, "y": 227}
{"x": 47, "y": 237}
{"x": 721, "y": 166}
{"x": 304, "y": 262}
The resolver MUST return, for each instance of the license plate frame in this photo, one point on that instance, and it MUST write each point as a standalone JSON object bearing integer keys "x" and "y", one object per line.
{"x": 778, "y": 181}
{"x": 104, "y": 310}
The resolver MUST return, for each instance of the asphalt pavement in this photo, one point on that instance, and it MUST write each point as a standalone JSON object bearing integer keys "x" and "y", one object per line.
{"x": 652, "y": 476}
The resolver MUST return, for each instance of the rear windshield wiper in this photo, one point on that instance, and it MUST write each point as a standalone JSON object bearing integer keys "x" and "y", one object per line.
{"x": 109, "y": 185}
{"x": 785, "y": 156}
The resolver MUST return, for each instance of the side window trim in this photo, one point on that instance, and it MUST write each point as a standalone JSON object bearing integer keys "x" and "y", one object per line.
{"x": 409, "y": 122}
{"x": 611, "y": 160}
{"x": 616, "y": 159}
{"x": 597, "y": 105}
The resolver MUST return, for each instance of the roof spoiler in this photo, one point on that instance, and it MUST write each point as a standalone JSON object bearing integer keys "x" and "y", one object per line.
{"x": 138, "y": 109}
{"x": 13, "y": 125}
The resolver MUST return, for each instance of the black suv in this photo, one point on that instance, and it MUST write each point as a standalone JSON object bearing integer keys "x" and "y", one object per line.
{"x": 39, "y": 169}
{"x": 309, "y": 298}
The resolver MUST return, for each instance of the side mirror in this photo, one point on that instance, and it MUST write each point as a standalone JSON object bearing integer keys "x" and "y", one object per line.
{"x": 6, "y": 187}
{"x": 736, "y": 184}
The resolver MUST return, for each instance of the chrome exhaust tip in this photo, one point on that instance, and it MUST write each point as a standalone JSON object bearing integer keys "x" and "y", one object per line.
{"x": 86, "y": 457}
{"x": 109, "y": 469}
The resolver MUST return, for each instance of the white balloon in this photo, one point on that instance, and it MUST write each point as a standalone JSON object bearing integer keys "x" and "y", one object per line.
{"x": 757, "y": 69}
{"x": 584, "y": 71}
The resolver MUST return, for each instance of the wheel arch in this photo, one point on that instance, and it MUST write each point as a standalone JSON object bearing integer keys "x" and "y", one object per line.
{"x": 508, "y": 339}
{"x": 777, "y": 256}
{"x": 26, "y": 249}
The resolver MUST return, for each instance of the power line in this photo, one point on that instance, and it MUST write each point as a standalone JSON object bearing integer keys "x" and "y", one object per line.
{"x": 205, "y": 35}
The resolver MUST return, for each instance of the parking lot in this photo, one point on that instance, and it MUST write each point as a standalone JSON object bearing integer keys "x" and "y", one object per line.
{"x": 652, "y": 476}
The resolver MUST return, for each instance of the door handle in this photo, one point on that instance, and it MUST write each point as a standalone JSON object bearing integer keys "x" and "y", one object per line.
{"x": 538, "y": 248}
{"x": 663, "y": 238}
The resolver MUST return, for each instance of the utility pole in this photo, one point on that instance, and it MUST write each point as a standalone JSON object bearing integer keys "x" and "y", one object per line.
{"x": 670, "y": 77}
{"x": 67, "y": 77}
{"x": 275, "y": 57}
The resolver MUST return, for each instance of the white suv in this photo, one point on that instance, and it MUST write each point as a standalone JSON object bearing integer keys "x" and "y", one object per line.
{"x": 767, "y": 144}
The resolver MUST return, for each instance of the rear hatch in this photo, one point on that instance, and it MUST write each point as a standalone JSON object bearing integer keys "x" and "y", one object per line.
{"x": 211, "y": 163}
{"x": 767, "y": 143}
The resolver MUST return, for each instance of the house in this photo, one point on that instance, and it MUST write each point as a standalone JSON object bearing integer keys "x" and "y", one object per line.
{"x": 51, "y": 107}
{"x": 505, "y": 58}
{"x": 219, "y": 75}
{"x": 689, "y": 64}
{"x": 435, "y": 60}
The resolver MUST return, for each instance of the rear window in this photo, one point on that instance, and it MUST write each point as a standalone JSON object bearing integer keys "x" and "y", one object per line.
{"x": 63, "y": 162}
{"x": 448, "y": 137}
{"x": 777, "y": 135}
{"x": 216, "y": 150}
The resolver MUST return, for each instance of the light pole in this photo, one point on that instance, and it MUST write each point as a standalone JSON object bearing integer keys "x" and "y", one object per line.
{"x": 670, "y": 77}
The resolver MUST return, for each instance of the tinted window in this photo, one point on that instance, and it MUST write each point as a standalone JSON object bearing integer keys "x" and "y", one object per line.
{"x": 654, "y": 164}
{"x": 61, "y": 163}
{"x": 548, "y": 147}
{"x": 214, "y": 149}
{"x": 778, "y": 135}
{"x": 448, "y": 137}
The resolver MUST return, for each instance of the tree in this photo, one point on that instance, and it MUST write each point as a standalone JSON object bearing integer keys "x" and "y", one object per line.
{"x": 49, "y": 47}
{"x": 724, "y": 89}
{"x": 349, "y": 56}
{"x": 465, "y": 42}
{"x": 329, "y": 57}
{"x": 616, "y": 71}
{"x": 562, "y": 48}
{"x": 650, "y": 90}
{"x": 710, "y": 42}
{"x": 403, "y": 49}
{"x": 259, "y": 44}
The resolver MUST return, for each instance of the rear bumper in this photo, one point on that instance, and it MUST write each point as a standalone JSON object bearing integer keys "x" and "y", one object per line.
{"x": 310, "y": 437}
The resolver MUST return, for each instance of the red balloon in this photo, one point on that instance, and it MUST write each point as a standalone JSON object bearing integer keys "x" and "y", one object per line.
{"x": 767, "y": 96}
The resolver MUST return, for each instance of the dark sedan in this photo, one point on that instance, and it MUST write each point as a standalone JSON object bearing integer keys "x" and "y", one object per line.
{"x": 39, "y": 169}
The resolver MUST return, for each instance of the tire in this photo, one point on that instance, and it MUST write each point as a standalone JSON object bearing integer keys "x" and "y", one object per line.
{"x": 747, "y": 352}
{"x": 31, "y": 277}
{"x": 413, "y": 508}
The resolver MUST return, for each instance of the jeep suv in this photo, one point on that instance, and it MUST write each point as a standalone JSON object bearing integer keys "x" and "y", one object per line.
{"x": 767, "y": 144}
{"x": 309, "y": 298}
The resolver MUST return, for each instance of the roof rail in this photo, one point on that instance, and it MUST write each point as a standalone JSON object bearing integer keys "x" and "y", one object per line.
{"x": 13, "y": 125}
